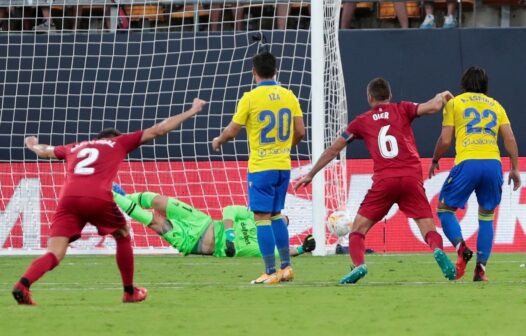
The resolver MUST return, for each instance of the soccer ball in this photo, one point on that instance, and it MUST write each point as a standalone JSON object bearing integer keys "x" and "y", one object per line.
{"x": 338, "y": 223}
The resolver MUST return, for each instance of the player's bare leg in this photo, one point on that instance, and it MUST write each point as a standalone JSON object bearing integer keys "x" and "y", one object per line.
{"x": 160, "y": 203}
{"x": 56, "y": 250}
{"x": 434, "y": 240}
{"x": 125, "y": 262}
{"x": 361, "y": 226}
{"x": 453, "y": 232}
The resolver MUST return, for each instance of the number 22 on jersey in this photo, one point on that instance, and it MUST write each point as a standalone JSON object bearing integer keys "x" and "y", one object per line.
{"x": 90, "y": 155}
{"x": 473, "y": 126}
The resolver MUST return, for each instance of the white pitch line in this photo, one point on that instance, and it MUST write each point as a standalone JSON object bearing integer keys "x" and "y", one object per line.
{"x": 329, "y": 284}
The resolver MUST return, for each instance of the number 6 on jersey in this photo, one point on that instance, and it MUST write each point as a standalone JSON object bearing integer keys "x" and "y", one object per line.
{"x": 387, "y": 143}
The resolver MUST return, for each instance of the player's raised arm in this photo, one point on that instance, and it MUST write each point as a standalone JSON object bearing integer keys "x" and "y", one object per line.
{"x": 511, "y": 147}
{"x": 172, "y": 123}
{"x": 435, "y": 104}
{"x": 42, "y": 150}
{"x": 229, "y": 133}
{"x": 328, "y": 155}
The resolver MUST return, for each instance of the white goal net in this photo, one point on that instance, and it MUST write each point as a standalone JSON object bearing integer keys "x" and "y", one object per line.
{"x": 91, "y": 64}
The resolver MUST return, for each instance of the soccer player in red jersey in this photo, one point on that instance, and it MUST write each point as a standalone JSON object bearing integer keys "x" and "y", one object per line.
{"x": 386, "y": 130}
{"x": 86, "y": 196}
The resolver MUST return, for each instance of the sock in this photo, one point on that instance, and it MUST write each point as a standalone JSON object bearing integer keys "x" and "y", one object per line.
{"x": 485, "y": 237}
{"x": 281, "y": 236}
{"x": 450, "y": 226}
{"x": 124, "y": 257}
{"x": 434, "y": 240}
{"x": 267, "y": 244}
{"x": 144, "y": 199}
{"x": 133, "y": 209}
{"x": 357, "y": 248}
{"x": 38, "y": 268}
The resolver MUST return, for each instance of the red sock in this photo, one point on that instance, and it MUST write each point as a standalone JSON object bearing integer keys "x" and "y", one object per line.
{"x": 357, "y": 248}
{"x": 124, "y": 258}
{"x": 39, "y": 267}
{"x": 434, "y": 240}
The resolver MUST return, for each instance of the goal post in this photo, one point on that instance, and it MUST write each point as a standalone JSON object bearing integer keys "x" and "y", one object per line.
{"x": 67, "y": 83}
{"x": 318, "y": 118}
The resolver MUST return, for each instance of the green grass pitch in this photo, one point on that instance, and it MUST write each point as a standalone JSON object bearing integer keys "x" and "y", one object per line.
{"x": 402, "y": 295}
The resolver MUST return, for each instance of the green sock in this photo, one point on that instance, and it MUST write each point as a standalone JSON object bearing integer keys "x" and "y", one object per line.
{"x": 133, "y": 209}
{"x": 144, "y": 199}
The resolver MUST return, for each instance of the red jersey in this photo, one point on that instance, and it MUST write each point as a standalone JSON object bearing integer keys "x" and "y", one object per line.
{"x": 387, "y": 132}
{"x": 91, "y": 166}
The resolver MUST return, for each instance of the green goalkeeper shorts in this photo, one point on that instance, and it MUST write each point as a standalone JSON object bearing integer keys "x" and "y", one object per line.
{"x": 188, "y": 225}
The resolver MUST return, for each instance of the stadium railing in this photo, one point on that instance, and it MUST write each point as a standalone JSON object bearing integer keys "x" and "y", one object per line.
{"x": 197, "y": 11}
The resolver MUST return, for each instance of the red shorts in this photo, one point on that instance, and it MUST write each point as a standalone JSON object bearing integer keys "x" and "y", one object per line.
{"x": 73, "y": 213}
{"x": 407, "y": 192}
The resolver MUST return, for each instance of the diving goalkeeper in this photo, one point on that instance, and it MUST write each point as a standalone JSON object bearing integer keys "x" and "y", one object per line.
{"x": 193, "y": 232}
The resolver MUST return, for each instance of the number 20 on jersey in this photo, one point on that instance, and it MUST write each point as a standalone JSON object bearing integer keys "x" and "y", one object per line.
{"x": 283, "y": 125}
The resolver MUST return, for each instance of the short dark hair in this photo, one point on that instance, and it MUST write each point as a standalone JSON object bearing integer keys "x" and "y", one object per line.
{"x": 474, "y": 79}
{"x": 265, "y": 64}
{"x": 379, "y": 89}
{"x": 108, "y": 133}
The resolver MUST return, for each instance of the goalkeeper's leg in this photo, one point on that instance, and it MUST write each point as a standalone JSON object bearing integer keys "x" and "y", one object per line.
{"x": 134, "y": 210}
{"x": 168, "y": 206}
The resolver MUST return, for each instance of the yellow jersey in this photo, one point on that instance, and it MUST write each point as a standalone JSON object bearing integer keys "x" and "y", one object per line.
{"x": 477, "y": 119}
{"x": 267, "y": 112}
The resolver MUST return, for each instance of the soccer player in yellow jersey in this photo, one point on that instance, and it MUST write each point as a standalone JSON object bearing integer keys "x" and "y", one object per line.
{"x": 274, "y": 123}
{"x": 475, "y": 120}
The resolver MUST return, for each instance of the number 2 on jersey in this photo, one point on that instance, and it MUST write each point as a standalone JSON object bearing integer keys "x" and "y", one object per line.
{"x": 82, "y": 167}
{"x": 284, "y": 125}
{"x": 385, "y": 139}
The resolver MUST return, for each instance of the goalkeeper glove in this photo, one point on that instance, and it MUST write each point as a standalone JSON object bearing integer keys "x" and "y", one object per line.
{"x": 230, "y": 250}
{"x": 309, "y": 244}
{"x": 118, "y": 189}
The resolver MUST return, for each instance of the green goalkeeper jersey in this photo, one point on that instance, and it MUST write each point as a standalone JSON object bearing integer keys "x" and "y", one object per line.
{"x": 245, "y": 240}
{"x": 189, "y": 224}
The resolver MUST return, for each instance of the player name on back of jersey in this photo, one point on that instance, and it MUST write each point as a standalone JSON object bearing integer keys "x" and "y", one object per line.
{"x": 383, "y": 115}
{"x": 107, "y": 142}
{"x": 479, "y": 98}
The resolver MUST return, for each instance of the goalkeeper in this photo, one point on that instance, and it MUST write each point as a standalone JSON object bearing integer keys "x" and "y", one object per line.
{"x": 193, "y": 232}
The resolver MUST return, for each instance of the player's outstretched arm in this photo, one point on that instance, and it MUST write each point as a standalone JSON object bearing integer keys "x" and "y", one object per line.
{"x": 511, "y": 147}
{"x": 442, "y": 146}
{"x": 229, "y": 133}
{"x": 328, "y": 155}
{"x": 173, "y": 122}
{"x": 435, "y": 104}
{"x": 42, "y": 150}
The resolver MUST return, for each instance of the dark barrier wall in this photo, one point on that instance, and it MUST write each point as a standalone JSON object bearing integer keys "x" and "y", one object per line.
{"x": 48, "y": 90}
{"x": 420, "y": 63}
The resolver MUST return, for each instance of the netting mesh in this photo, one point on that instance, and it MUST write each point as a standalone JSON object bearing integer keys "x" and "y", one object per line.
{"x": 132, "y": 65}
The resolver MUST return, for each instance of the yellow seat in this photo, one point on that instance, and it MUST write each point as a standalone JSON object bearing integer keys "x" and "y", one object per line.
{"x": 386, "y": 10}
{"x": 189, "y": 12}
{"x": 142, "y": 12}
